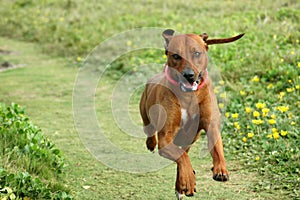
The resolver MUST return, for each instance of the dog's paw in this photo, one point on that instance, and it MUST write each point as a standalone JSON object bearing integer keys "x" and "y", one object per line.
{"x": 185, "y": 182}
{"x": 220, "y": 174}
{"x": 151, "y": 143}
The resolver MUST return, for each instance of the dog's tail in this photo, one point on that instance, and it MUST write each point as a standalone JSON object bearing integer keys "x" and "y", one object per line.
{"x": 224, "y": 40}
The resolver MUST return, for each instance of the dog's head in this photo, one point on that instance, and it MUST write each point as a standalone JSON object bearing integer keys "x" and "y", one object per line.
{"x": 187, "y": 57}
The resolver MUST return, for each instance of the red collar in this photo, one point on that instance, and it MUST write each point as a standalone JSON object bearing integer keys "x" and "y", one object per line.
{"x": 193, "y": 87}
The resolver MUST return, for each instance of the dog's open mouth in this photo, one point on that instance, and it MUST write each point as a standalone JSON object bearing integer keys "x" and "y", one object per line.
{"x": 187, "y": 87}
{"x": 184, "y": 85}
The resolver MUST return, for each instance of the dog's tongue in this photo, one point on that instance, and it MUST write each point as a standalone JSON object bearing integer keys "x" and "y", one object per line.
{"x": 188, "y": 87}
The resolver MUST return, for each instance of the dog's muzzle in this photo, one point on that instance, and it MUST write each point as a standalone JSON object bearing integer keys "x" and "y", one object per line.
{"x": 188, "y": 85}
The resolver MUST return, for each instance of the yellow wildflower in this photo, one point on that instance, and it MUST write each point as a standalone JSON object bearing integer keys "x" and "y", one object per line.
{"x": 221, "y": 82}
{"x": 299, "y": 64}
{"x": 274, "y": 130}
{"x": 129, "y": 43}
{"x": 281, "y": 94}
{"x": 265, "y": 111}
{"x": 221, "y": 105}
{"x": 269, "y": 136}
{"x": 256, "y": 114}
{"x": 257, "y": 158}
{"x": 79, "y": 59}
{"x": 297, "y": 87}
{"x": 223, "y": 95}
{"x": 270, "y": 86}
{"x": 248, "y": 109}
{"x": 293, "y": 123}
{"x": 255, "y": 79}
{"x": 244, "y": 139}
{"x": 250, "y": 135}
{"x": 257, "y": 121}
{"x": 260, "y": 105}
{"x": 292, "y": 52}
{"x": 273, "y": 116}
{"x": 227, "y": 114}
{"x": 290, "y": 89}
{"x": 164, "y": 56}
{"x": 283, "y": 133}
{"x": 235, "y": 115}
{"x": 242, "y": 92}
{"x": 283, "y": 108}
{"x": 272, "y": 121}
{"x": 276, "y": 135}
{"x": 236, "y": 125}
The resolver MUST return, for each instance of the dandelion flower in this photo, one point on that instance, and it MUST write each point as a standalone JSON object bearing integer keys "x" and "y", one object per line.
{"x": 269, "y": 136}
{"x": 260, "y": 105}
{"x": 242, "y": 92}
{"x": 265, "y": 111}
{"x": 223, "y": 95}
{"x": 283, "y": 133}
{"x": 256, "y": 114}
{"x": 244, "y": 139}
{"x": 283, "y": 108}
{"x": 236, "y": 125}
{"x": 290, "y": 89}
{"x": 257, "y": 158}
{"x": 235, "y": 115}
{"x": 221, "y": 82}
{"x": 257, "y": 121}
{"x": 227, "y": 114}
{"x": 297, "y": 87}
{"x": 221, "y": 105}
{"x": 129, "y": 43}
{"x": 299, "y": 64}
{"x": 272, "y": 121}
{"x": 78, "y": 59}
{"x": 273, "y": 116}
{"x": 270, "y": 86}
{"x": 276, "y": 135}
{"x": 274, "y": 130}
{"x": 250, "y": 135}
{"x": 248, "y": 109}
{"x": 293, "y": 123}
{"x": 255, "y": 79}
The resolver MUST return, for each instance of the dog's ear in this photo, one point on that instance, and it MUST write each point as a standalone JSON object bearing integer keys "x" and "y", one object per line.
{"x": 204, "y": 36}
{"x": 223, "y": 40}
{"x": 168, "y": 34}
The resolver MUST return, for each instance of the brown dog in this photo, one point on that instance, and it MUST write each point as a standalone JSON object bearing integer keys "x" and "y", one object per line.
{"x": 180, "y": 102}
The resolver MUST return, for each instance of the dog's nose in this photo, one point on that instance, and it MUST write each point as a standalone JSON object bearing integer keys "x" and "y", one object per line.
{"x": 188, "y": 74}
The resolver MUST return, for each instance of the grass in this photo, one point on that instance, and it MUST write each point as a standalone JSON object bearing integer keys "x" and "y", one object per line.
{"x": 268, "y": 53}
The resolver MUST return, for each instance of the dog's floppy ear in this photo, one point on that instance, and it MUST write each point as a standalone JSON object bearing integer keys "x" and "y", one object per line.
{"x": 222, "y": 40}
{"x": 168, "y": 34}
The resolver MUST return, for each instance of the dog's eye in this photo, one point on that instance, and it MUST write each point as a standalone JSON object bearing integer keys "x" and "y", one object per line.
{"x": 176, "y": 56}
{"x": 197, "y": 54}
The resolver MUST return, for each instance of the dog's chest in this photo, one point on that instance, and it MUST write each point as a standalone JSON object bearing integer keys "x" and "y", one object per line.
{"x": 184, "y": 116}
{"x": 187, "y": 117}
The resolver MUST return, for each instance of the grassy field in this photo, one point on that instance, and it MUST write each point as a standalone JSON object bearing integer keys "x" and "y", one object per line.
{"x": 259, "y": 91}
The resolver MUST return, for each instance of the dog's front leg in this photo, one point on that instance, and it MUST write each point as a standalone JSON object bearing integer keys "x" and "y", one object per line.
{"x": 215, "y": 146}
{"x": 185, "y": 181}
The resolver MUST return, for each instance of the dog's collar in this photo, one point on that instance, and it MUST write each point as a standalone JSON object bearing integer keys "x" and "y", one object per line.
{"x": 187, "y": 88}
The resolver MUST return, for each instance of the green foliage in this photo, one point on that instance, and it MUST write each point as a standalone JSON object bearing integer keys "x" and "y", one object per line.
{"x": 25, "y": 151}
{"x": 23, "y": 143}
{"x": 262, "y": 128}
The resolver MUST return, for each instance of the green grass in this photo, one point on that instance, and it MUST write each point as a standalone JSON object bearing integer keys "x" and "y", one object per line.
{"x": 269, "y": 50}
